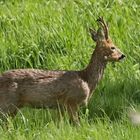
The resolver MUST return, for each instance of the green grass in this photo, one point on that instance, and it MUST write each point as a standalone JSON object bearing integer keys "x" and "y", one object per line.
{"x": 53, "y": 34}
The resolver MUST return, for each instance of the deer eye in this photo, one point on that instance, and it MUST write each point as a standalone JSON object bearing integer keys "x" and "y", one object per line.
{"x": 113, "y": 48}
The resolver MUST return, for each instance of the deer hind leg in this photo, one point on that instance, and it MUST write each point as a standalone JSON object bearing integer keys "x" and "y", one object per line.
{"x": 8, "y": 101}
{"x": 8, "y": 109}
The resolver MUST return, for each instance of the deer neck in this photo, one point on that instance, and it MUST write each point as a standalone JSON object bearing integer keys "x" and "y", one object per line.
{"x": 93, "y": 73}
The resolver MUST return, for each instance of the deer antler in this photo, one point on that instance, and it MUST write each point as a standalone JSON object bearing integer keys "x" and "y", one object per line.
{"x": 104, "y": 25}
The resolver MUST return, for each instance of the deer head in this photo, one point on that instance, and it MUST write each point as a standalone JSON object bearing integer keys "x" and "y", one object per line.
{"x": 108, "y": 51}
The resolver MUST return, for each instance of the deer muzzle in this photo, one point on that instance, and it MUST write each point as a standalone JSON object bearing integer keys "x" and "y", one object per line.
{"x": 122, "y": 57}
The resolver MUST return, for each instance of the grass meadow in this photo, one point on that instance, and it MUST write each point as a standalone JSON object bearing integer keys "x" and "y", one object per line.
{"x": 53, "y": 34}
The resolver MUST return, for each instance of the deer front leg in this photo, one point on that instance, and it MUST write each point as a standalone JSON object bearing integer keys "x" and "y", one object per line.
{"x": 73, "y": 113}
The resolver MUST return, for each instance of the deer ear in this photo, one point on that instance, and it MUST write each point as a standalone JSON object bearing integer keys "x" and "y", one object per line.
{"x": 93, "y": 34}
{"x": 100, "y": 34}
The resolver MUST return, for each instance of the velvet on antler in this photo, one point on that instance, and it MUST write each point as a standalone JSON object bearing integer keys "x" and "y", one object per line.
{"x": 104, "y": 25}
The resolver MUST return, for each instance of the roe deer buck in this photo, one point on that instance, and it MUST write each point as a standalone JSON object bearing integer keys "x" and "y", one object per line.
{"x": 69, "y": 89}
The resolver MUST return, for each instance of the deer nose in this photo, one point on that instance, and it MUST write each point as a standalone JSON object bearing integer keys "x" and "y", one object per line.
{"x": 122, "y": 56}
